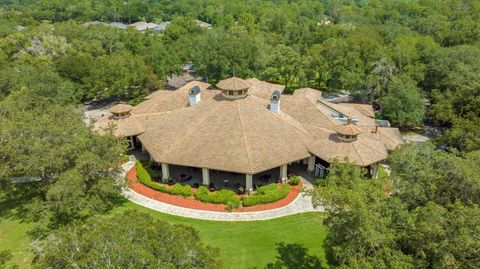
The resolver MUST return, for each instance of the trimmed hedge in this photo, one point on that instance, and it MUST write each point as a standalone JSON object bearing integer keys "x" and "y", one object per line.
{"x": 223, "y": 196}
{"x": 267, "y": 194}
{"x": 178, "y": 189}
{"x": 264, "y": 195}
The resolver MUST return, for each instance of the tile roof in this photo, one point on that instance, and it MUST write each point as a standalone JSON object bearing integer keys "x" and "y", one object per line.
{"x": 363, "y": 151}
{"x": 120, "y": 127}
{"x": 120, "y": 108}
{"x": 233, "y": 84}
{"x": 231, "y": 135}
{"x": 244, "y": 136}
{"x": 163, "y": 100}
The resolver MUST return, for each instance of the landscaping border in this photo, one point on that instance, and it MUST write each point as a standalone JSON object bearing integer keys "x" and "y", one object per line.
{"x": 192, "y": 203}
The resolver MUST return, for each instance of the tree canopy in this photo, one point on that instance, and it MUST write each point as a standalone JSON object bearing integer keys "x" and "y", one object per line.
{"x": 425, "y": 216}
{"x": 125, "y": 240}
{"x": 43, "y": 140}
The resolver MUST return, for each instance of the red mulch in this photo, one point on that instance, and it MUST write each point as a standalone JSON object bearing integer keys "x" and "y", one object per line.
{"x": 190, "y": 202}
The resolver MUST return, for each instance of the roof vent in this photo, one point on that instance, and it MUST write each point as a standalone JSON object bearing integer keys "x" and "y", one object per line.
{"x": 194, "y": 96}
{"x": 275, "y": 102}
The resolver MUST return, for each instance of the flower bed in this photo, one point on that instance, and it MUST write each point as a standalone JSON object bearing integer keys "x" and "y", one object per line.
{"x": 267, "y": 194}
{"x": 178, "y": 189}
{"x": 191, "y": 202}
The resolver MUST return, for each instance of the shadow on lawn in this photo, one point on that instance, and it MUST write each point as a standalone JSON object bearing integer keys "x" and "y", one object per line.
{"x": 15, "y": 200}
{"x": 23, "y": 202}
{"x": 294, "y": 256}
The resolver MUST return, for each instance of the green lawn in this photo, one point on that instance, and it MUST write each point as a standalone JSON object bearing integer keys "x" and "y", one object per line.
{"x": 241, "y": 244}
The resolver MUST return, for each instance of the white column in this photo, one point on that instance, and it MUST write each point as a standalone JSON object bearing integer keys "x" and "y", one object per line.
{"x": 249, "y": 179}
{"x": 374, "y": 170}
{"x": 283, "y": 172}
{"x": 311, "y": 164}
{"x": 206, "y": 176}
{"x": 132, "y": 145}
{"x": 165, "y": 171}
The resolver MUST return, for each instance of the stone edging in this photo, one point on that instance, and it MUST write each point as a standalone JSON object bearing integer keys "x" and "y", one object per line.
{"x": 301, "y": 204}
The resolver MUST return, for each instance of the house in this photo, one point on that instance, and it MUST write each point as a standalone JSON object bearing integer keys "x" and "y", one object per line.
{"x": 162, "y": 26}
{"x": 249, "y": 127}
{"x": 118, "y": 25}
{"x": 204, "y": 25}
{"x": 90, "y": 23}
{"x": 143, "y": 26}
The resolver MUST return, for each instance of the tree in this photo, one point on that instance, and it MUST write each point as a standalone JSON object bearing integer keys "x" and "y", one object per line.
{"x": 359, "y": 219}
{"x": 403, "y": 104}
{"x": 422, "y": 174}
{"x": 76, "y": 167}
{"x": 283, "y": 64}
{"x": 119, "y": 74}
{"x": 219, "y": 54}
{"x": 138, "y": 242}
{"x": 425, "y": 216}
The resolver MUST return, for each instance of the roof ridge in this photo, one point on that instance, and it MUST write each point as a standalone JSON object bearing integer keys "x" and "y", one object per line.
{"x": 371, "y": 146}
{"x": 192, "y": 129}
{"x": 358, "y": 154}
{"x": 245, "y": 141}
{"x": 385, "y": 135}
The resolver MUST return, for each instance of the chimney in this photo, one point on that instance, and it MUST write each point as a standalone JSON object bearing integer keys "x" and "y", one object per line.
{"x": 275, "y": 102}
{"x": 194, "y": 96}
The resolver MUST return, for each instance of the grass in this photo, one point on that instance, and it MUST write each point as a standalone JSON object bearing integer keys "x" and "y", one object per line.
{"x": 241, "y": 244}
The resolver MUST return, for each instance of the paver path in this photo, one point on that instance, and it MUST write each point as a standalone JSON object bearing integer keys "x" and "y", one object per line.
{"x": 300, "y": 205}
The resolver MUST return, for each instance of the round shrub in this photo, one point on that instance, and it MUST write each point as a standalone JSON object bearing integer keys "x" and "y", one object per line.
{"x": 294, "y": 180}
{"x": 267, "y": 194}
{"x": 223, "y": 196}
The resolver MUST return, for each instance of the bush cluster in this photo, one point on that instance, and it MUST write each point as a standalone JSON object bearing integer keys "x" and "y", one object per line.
{"x": 264, "y": 195}
{"x": 178, "y": 189}
{"x": 294, "y": 180}
{"x": 223, "y": 196}
{"x": 267, "y": 194}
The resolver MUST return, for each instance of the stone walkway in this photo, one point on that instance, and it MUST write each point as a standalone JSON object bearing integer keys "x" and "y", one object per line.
{"x": 300, "y": 205}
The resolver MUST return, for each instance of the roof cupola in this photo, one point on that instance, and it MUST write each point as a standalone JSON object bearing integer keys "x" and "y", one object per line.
{"x": 348, "y": 132}
{"x": 121, "y": 111}
{"x": 233, "y": 88}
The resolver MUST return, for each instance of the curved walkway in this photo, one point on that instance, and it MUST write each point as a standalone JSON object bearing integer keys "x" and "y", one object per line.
{"x": 301, "y": 204}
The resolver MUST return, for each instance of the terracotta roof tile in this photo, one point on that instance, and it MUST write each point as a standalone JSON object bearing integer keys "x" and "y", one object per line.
{"x": 233, "y": 84}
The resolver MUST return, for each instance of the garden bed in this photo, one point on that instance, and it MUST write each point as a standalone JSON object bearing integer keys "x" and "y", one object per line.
{"x": 191, "y": 202}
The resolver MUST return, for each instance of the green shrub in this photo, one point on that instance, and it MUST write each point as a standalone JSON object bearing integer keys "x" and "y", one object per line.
{"x": 231, "y": 205}
{"x": 267, "y": 194}
{"x": 219, "y": 197}
{"x": 142, "y": 175}
{"x": 152, "y": 172}
{"x": 294, "y": 180}
{"x": 178, "y": 189}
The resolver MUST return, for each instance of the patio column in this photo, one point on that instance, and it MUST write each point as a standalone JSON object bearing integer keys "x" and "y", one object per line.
{"x": 249, "y": 183}
{"x": 374, "y": 170}
{"x": 165, "y": 171}
{"x": 206, "y": 176}
{"x": 283, "y": 172}
{"x": 311, "y": 164}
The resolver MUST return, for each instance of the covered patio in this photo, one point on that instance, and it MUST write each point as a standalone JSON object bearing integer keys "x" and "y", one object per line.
{"x": 237, "y": 182}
